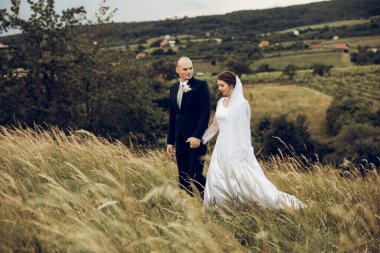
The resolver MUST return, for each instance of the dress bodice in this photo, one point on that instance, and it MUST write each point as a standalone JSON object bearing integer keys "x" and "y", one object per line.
{"x": 221, "y": 115}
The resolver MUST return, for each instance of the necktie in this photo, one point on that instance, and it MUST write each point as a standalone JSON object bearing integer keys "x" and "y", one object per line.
{"x": 179, "y": 95}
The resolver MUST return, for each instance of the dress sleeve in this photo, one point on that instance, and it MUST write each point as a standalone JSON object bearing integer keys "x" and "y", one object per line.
{"x": 213, "y": 129}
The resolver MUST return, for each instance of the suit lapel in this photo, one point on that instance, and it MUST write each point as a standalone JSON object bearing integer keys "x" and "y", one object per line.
{"x": 174, "y": 95}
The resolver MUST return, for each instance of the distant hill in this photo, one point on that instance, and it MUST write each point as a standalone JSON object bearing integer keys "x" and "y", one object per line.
{"x": 248, "y": 22}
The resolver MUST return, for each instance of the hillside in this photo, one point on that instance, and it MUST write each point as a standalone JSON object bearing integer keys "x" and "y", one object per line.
{"x": 79, "y": 193}
{"x": 248, "y": 23}
{"x": 290, "y": 100}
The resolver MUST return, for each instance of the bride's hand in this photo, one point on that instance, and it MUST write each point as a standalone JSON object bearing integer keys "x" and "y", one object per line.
{"x": 194, "y": 142}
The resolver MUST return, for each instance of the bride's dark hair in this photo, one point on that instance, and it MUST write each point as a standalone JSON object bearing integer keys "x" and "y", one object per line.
{"x": 228, "y": 77}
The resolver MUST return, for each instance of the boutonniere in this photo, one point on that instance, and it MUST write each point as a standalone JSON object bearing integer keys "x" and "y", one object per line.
{"x": 186, "y": 88}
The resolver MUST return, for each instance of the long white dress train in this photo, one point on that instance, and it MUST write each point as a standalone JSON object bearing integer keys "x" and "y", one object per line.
{"x": 234, "y": 173}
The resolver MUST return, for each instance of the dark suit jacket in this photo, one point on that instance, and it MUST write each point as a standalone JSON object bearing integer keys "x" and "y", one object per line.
{"x": 192, "y": 119}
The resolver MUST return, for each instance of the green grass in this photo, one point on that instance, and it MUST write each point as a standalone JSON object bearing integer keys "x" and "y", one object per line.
{"x": 78, "y": 193}
{"x": 339, "y": 23}
{"x": 303, "y": 60}
{"x": 206, "y": 67}
{"x": 354, "y": 42}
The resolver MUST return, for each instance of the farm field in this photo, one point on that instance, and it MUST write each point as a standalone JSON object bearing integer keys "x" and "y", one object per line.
{"x": 359, "y": 81}
{"x": 330, "y": 24}
{"x": 354, "y": 42}
{"x": 303, "y": 60}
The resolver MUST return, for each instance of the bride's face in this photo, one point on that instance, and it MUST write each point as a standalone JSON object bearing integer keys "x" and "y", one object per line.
{"x": 224, "y": 88}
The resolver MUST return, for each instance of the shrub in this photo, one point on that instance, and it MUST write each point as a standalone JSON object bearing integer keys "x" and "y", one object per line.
{"x": 321, "y": 69}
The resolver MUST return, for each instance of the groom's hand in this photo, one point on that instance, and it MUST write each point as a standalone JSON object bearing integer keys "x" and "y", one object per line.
{"x": 194, "y": 142}
{"x": 170, "y": 150}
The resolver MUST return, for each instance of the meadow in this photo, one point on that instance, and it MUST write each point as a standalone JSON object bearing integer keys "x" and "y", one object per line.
{"x": 274, "y": 100}
{"x": 75, "y": 192}
{"x": 339, "y": 23}
{"x": 306, "y": 59}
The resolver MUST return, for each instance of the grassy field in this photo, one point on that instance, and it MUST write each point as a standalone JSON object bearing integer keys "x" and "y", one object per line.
{"x": 305, "y": 59}
{"x": 354, "y": 42}
{"x": 291, "y": 100}
{"x": 78, "y": 193}
{"x": 330, "y": 24}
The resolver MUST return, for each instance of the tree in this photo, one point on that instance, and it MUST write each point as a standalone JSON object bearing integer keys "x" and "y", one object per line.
{"x": 321, "y": 69}
{"x": 281, "y": 135}
{"x": 164, "y": 68}
{"x": 49, "y": 86}
{"x": 238, "y": 65}
{"x": 158, "y": 51}
{"x": 264, "y": 68}
{"x": 69, "y": 82}
{"x": 358, "y": 143}
{"x": 365, "y": 56}
{"x": 4, "y": 22}
{"x": 346, "y": 110}
{"x": 290, "y": 71}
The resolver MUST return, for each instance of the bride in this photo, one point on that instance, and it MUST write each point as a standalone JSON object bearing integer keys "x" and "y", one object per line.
{"x": 234, "y": 173}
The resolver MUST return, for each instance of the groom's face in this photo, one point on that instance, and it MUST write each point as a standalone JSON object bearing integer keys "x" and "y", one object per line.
{"x": 185, "y": 69}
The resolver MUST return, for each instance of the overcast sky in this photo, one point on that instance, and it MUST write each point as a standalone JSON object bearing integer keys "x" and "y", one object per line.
{"x": 144, "y": 10}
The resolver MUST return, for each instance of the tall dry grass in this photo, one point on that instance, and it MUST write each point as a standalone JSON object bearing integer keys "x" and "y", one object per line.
{"x": 78, "y": 193}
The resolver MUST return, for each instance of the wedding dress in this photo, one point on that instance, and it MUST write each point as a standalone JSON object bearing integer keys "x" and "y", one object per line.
{"x": 234, "y": 175}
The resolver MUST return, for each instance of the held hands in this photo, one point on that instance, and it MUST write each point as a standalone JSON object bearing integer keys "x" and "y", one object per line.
{"x": 170, "y": 150}
{"x": 194, "y": 142}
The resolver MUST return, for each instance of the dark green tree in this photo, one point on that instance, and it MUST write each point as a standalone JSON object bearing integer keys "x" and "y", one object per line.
{"x": 48, "y": 84}
{"x": 358, "y": 143}
{"x": 321, "y": 69}
{"x": 281, "y": 135}
{"x": 347, "y": 110}
{"x": 60, "y": 76}
{"x": 238, "y": 65}
{"x": 290, "y": 71}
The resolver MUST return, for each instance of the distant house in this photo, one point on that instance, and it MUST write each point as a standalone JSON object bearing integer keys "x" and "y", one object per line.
{"x": 336, "y": 37}
{"x": 264, "y": 43}
{"x": 140, "y": 55}
{"x": 342, "y": 46}
{"x": 2, "y": 46}
{"x": 171, "y": 43}
{"x": 296, "y": 33}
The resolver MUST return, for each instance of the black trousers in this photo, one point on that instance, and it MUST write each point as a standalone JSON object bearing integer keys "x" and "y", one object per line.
{"x": 190, "y": 163}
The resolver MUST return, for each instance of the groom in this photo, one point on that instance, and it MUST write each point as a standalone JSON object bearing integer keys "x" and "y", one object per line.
{"x": 188, "y": 120}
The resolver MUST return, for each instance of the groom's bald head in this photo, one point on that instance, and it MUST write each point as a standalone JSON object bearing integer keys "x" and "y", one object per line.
{"x": 184, "y": 69}
{"x": 183, "y": 60}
